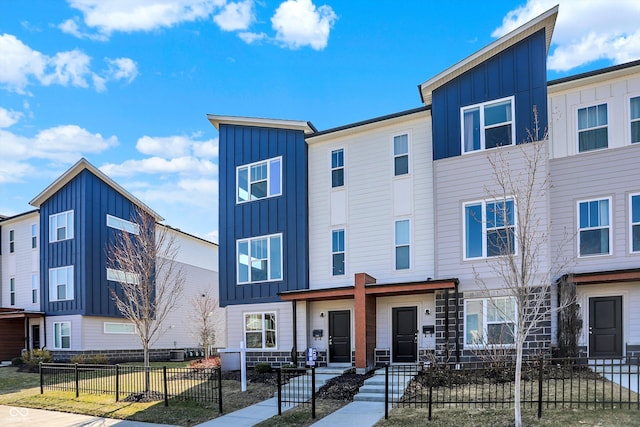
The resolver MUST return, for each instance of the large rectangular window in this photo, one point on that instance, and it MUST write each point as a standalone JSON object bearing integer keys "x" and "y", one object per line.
{"x": 594, "y": 227}
{"x": 489, "y": 322}
{"x": 122, "y": 276}
{"x": 403, "y": 244}
{"x": 592, "y": 128}
{"x": 260, "y": 330}
{"x": 401, "y": 154}
{"x": 260, "y": 259}
{"x": 34, "y": 236}
{"x": 12, "y": 241}
{"x": 122, "y": 224}
{"x": 489, "y": 228}
{"x": 635, "y": 119}
{"x": 634, "y": 214}
{"x": 61, "y": 226}
{"x": 61, "y": 335}
{"x": 34, "y": 288}
{"x": 119, "y": 328}
{"x": 337, "y": 168}
{"x": 12, "y": 290}
{"x": 259, "y": 180}
{"x": 337, "y": 252}
{"x": 61, "y": 283}
{"x": 487, "y": 125}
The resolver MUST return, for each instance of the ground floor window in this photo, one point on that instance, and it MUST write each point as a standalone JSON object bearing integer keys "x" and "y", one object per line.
{"x": 490, "y": 322}
{"x": 61, "y": 335}
{"x": 260, "y": 330}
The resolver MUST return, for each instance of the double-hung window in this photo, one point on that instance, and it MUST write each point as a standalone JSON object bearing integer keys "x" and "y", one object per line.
{"x": 634, "y": 207}
{"x": 592, "y": 128}
{"x": 61, "y": 226}
{"x": 260, "y": 259}
{"x": 61, "y": 283}
{"x": 122, "y": 224}
{"x": 489, "y": 228}
{"x": 487, "y": 125}
{"x": 260, "y": 330}
{"x": 635, "y": 119}
{"x": 61, "y": 335}
{"x": 337, "y": 252}
{"x": 337, "y": 168}
{"x": 403, "y": 244}
{"x": 490, "y": 321}
{"x": 34, "y": 288}
{"x": 594, "y": 227}
{"x": 34, "y": 236}
{"x": 401, "y": 154}
{"x": 259, "y": 180}
{"x": 12, "y": 290}
{"x": 12, "y": 241}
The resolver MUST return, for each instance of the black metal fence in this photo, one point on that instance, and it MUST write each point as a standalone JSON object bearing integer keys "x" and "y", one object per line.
{"x": 545, "y": 384}
{"x": 297, "y": 386}
{"x": 134, "y": 383}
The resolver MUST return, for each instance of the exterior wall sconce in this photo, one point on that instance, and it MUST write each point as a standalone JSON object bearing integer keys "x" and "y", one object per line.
{"x": 427, "y": 312}
{"x": 322, "y": 314}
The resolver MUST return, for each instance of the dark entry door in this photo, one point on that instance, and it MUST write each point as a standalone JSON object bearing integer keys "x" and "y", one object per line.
{"x": 405, "y": 334}
{"x": 340, "y": 336}
{"x": 605, "y": 327}
{"x": 35, "y": 336}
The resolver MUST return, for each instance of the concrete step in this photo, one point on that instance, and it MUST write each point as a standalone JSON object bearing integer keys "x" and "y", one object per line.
{"x": 373, "y": 389}
{"x": 615, "y": 369}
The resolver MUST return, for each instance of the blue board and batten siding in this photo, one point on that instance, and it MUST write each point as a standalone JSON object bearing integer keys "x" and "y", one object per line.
{"x": 91, "y": 199}
{"x": 286, "y": 214}
{"x": 519, "y": 71}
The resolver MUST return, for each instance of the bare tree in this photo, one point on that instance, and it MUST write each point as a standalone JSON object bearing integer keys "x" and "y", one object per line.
{"x": 521, "y": 240}
{"x": 204, "y": 306}
{"x": 150, "y": 281}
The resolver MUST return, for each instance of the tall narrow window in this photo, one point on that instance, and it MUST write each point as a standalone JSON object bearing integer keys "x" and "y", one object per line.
{"x": 259, "y": 180}
{"x": 487, "y": 125}
{"x": 61, "y": 283}
{"x": 337, "y": 252}
{"x": 594, "y": 227}
{"x": 592, "y": 128}
{"x": 401, "y": 154}
{"x": 635, "y": 222}
{"x": 61, "y": 335}
{"x": 337, "y": 168}
{"x": 34, "y": 288}
{"x": 402, "y": 244}
{"x": 12, "y": 290}
{"x": 12, "y": 241}
{"x": 34, "y": 236}
{"x": 489, "y": 228}
{"x": 260, "y": 259}
{"x": 61, "y": 226}
{"x": 635, "y": 119}
{"x": 260, "y": 330}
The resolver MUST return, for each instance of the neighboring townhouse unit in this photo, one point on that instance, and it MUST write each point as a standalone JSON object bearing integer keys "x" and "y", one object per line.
{"x": 56, "y": 287}
{"x": 376, "y": 241}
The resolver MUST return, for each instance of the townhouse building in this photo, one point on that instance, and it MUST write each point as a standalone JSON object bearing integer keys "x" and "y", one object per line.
{"x": 375, "y": 242}
{"x": 56, "y": 287}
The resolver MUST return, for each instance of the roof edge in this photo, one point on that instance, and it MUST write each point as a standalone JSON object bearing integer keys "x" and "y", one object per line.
{"x": 305, "y": 126}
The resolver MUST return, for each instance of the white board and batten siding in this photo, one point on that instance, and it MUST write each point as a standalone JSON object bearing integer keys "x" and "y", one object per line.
{"x": 370, "y": 201}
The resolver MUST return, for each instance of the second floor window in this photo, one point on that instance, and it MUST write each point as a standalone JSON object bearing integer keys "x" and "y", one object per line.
{"x": 487, "y": 125}
{"x": 635, "y": 119}
{"x": 61, "y": 226}
{"x": 337, "y": 252}
{"x": 259, "y": 180}
{"x": 403, "y": 244}
{"x": 12, "y": 241}
{"x": 594, "y": 232}
{"x": 401, "y": 154}
{"x": 34, "y": 288}
{"x": 489, "y": 228}
{"x": 34, "y": 236}
{"x": 592, "y": 128}
{"x": 61, "y": 283}
{"x": 260, "y": 259}
{"x": 635, "y": 222}
{"x": 337, "y": 168}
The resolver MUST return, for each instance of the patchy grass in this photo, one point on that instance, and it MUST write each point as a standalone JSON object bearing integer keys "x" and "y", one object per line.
{"x": 11, "y": 380}
{"x": 300, "y": 416}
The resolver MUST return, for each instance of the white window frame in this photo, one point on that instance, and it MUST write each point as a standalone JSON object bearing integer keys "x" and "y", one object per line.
{"x": 34, "y": 236}
{"x": 53, "y": 228}
{"x": 339, "y": 167}
{"x": 398, "y": 155}
{"x": 12, "y": 241}
{"x": 486, "y": 322}
{"x": 35, "y": 285}
{"x": 122, "y": 224}
{"x": 269, "y": 261}
{"x": 578, "y": 130}
{"x": 58, "y": 336}
{"x": 397, "y": 245}
{"x": 53, "y": 286}
{"x": 119, "y": 328}
{"x": 481, "y": 107}
{"x": 609, "y": 226}
{"x": 263, "y": 330}
{"x": 122, "y": 276}
{"x": 483, "y": 222}
{"x": 12, "y": 291}
{"x": 632, "y": 224}
{"x": 337, "y": 252}
{"x": 633, "y": 120}
{"x": 248, "y": 166}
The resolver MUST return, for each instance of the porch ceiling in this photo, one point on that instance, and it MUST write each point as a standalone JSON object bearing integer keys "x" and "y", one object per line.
{"x": 631, "y": 275}
{"x": 6, "y": 313}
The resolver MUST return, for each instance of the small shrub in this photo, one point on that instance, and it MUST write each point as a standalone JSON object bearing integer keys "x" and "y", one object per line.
{"x": 34, "y": 357}
{"x": 262, "y": 368}
{"x": 89, "y": 359}
{"x": 80, "y": 359}
{"x": 288, "y": 366}
{"x": 17, "y": 361}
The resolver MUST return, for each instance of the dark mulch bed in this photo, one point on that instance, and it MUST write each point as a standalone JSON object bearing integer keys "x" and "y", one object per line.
{"x": 269, "y": 378}
{"x": 343, "y": 387}
{"x": 151, "y": 396}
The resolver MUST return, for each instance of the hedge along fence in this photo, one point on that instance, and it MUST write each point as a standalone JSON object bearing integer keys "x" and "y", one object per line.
{"x": 198, "y": 384}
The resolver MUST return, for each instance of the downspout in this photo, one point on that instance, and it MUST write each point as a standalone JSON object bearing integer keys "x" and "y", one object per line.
{"x": 457, "y": 324}
{"x": 294, "y": 350}
{"x": 44, "y": 322}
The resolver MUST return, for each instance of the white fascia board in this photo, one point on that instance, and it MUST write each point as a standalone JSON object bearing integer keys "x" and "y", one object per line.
{"x": 217, "y": 120}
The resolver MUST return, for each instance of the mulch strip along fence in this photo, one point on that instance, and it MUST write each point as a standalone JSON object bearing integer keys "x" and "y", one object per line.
{"x": 135, "y": 383}
{"x": 545, "y": 384}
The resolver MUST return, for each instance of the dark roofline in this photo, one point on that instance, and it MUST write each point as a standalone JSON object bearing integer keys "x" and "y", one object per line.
{"x": 8, "y": 218}
{"x": 369, "y": 121}
{"x": 594, "y": 73}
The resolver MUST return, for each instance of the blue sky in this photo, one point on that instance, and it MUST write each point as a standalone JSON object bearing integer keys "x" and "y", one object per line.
{"x": 128, "y": 83}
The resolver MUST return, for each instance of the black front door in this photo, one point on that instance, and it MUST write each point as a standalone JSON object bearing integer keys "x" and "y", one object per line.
{"x": 605, "y": 327}
{"x": 35, "y": 337}
{"x": 340, "y": 336}
{"x": 405, "y": 334}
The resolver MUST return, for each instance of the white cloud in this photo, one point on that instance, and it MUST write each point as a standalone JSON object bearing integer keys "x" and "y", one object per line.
{"x": 299, "y": 23}
{"x": 21, "y": 66}
{"x": 70, "y": 26}
{"x": 111, "y": 16}
{"x": 9, "y": 117}
{"x": 250, "y": 38}
{"x": 235, "y": 16}
{"x": 207, "y": 149}
{"x": 585, "y": 31}
{"x": 157, "y": 165}
{"x": 177, "y": 146}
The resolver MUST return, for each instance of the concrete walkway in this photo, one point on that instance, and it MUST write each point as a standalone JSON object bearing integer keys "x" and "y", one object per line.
{"x": 355, "y": 414}
{"x": 247, "y": 417}
{"x": 22, "y": 417}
